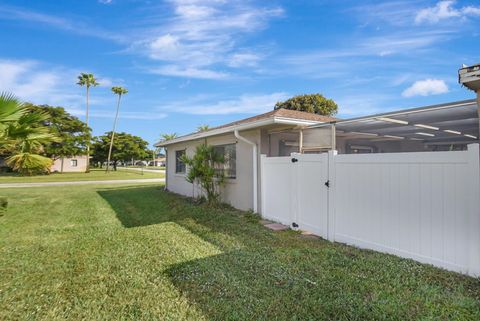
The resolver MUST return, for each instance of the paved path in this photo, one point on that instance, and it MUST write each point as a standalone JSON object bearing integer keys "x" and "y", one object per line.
{"x": 117, "y": 181}
{"x": 158, "y": 171}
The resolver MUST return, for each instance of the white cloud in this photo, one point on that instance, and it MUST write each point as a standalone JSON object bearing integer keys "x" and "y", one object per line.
{"x": 203, "y": 36}
{"x": 245, "y": 104}
{"x": 76, "y": 26}
{"x": 95, "y": 113}
{"x": 188, "y": 72}
{"x": 105, "y": 1}
{"x": 244, "y": 59}
{"x": 426, "y": 87}
{"x": 444, "y": 10}
{"x": 39, "y": 83}
{"x": 31, "y": 82}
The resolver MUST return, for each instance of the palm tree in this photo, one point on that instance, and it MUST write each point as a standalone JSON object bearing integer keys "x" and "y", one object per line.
{"x": 87, "y": 80}
{"x": 203, "y": 128}
{"x": 11, "y": 109}
{"x": 117, "y": 91}
{"x": 165, "y": 137}
{"x": 23, "y": 136}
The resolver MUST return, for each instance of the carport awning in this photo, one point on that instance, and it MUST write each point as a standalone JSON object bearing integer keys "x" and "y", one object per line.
{"x": 454, "y": 123}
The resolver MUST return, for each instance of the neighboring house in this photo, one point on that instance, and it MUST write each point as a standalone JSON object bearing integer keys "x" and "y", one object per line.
{"x": 159, "y": 162}
{"x": 242, "y": 142}
{"x": 70, "y": 164}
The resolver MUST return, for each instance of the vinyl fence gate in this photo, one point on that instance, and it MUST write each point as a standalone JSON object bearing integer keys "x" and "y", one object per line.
{"x": 424, "y": 205}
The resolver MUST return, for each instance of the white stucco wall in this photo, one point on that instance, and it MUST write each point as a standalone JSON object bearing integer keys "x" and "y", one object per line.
{"x": 237, "y": 192}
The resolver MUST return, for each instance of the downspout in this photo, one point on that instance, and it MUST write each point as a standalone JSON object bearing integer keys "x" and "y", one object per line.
{"x": 255, "y": 168}
{"x": 166, "y": 168}
{"x": 478, "y": 112}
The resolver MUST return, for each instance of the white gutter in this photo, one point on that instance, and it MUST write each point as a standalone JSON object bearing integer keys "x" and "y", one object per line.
{"x": 255, "y": 168}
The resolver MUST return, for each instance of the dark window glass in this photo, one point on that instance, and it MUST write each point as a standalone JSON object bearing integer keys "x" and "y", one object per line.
{"x": 179, "y": 164}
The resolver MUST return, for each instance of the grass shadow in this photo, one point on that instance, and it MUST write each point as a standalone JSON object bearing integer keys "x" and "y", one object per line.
{"x": 262, "y": 275}
{"x": 225, "y": 227}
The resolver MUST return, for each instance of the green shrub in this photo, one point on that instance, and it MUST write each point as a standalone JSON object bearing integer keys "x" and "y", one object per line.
{"x": 204, "y": 170}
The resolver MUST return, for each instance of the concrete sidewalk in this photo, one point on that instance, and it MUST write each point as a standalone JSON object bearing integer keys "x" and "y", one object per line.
{"x": 159, "y": 171}
{"x": 118, "y": 181}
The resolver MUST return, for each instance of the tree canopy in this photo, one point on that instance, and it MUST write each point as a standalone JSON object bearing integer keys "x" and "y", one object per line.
{"x": 313, "y": 103}
{"x": 125, "y": 147}
{"x": 73, "y": 132}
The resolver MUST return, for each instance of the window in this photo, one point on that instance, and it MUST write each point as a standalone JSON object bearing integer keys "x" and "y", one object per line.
{"x": 73, "y": 163}
{"x": 229, "y": 153}
{"x": 179, "y": 164}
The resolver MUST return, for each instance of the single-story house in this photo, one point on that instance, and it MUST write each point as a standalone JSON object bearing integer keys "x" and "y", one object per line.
{"x": 70, "y": 164}
{"x": 443, "y": 127}
{"x": 242, "y": 142}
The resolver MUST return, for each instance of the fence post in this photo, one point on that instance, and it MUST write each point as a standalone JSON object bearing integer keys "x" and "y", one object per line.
{"x": 331, "y": 196}
{"x": 474, "y": 209}
{"x": 263, "y": 158}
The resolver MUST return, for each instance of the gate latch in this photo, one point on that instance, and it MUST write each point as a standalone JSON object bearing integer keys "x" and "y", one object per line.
{"x": 327, "y": 183}
{"x": 294, "y": 160}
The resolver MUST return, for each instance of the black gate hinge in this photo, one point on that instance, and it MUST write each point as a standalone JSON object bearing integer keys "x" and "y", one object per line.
{"x": 294, "y": 160}
{"x": 327, "y": 183}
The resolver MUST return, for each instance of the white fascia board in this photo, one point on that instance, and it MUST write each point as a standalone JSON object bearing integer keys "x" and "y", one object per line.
{"x": 239, "y": 127}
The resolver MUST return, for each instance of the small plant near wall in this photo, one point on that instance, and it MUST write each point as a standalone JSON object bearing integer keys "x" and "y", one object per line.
{"x": 204, "y": 169}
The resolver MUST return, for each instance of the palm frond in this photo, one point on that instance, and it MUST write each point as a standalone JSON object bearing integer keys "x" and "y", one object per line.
{"x": 11, "y": 108}
{"x": 29, "y": 164}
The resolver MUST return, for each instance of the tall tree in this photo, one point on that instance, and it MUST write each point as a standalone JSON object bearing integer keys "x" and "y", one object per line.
{"x": 23, "y": 137}
{"x": 117, "y": 91}
{"x": 125, "y": 147}
{"x": 87, "y": 80}
{"x": 313, "y": 103}
{"x": 70, "y": 129}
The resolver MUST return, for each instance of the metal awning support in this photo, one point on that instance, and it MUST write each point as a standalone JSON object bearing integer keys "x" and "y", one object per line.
{"x": 300, "y": 139}
{"x": 334, "y": 136}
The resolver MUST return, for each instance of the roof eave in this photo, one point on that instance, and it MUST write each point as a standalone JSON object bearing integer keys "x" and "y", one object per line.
{"x": 240, "y": 127}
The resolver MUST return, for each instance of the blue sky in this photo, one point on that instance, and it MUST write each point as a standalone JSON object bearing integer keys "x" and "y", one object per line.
{"x": 192, "y": 62}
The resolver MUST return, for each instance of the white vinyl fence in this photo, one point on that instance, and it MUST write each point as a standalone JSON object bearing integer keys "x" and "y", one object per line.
{"x": 424, "y": 206}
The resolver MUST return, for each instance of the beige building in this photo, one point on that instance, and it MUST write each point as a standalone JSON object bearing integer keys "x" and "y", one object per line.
{"x": 70, "y": 164}
{"x": 242, "y": 142}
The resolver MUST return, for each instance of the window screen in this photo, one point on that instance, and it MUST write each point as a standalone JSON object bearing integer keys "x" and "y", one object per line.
{"x": 179, "y": 164}
{"x": 229, "y": 153}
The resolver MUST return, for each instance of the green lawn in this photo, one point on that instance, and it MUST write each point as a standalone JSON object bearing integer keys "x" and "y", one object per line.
{"x": 139, "y": 253}
{"x": 94, "y": 175}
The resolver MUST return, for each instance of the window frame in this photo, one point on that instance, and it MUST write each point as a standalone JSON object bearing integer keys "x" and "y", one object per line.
{"x": 226, "y": 170}
{"x": 73, "y": 163}
{"x": 177, "y": 161}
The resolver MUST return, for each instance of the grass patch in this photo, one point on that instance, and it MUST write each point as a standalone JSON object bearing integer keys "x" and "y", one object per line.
{"x": 139, "y": 253}
{"x": 93, "y": 175}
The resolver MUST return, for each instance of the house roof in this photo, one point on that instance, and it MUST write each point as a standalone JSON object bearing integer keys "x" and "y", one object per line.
{"x": 278, "y": 116}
